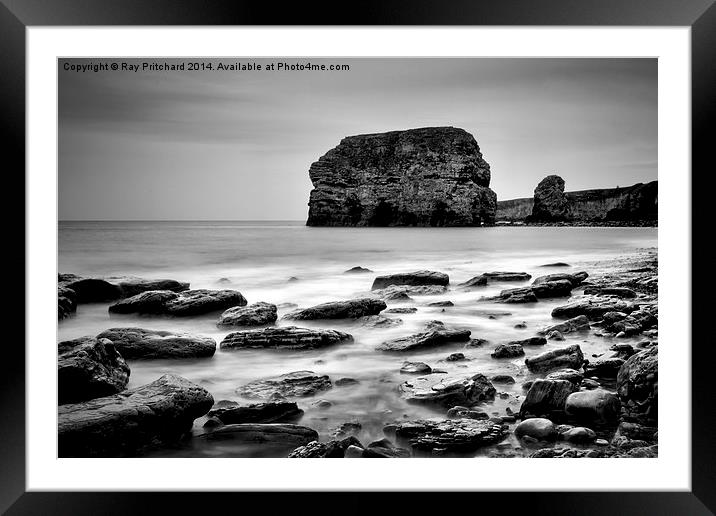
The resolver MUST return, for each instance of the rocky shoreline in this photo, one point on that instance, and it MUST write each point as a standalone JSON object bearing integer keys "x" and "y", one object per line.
{"x": 577, "y": 404}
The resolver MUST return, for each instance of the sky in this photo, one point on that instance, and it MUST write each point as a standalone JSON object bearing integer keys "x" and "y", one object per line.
{"x": 237, "y": 145}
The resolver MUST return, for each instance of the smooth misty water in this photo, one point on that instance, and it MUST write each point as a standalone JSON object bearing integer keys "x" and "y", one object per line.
{"x": 259, "y": 258}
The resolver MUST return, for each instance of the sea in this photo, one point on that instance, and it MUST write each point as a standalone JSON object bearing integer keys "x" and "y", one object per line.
{"x": 258, "y": 258}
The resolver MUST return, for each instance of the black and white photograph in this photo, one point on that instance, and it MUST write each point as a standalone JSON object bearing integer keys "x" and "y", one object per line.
{"x": 357, "y": 257}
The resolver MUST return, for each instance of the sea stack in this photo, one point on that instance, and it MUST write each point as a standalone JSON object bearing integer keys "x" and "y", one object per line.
{"x": 432, "y": 176}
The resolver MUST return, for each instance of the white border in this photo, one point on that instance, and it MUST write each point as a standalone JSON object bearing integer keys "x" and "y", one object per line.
{"x": 671, "y": 471}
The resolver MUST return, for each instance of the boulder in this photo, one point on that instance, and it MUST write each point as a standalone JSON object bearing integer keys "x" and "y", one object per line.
{"x": 183, "y": 304}
{"x": 403, "y": 292}
{"x": 550, "y": 202}
{"x": 279, "y": 434}
{"x": 575, "y": 279}
{"x": 579, "y": 435}
{"x": 131, "y": 285}
{"x": 606, "y": 368}
{"x": 532, "y": 341}
{"x": 430, "y": 176}
{"x": 256, "y": 314}
{"x": 284, "y": 337}
{"x": 636, "y": 431}
{"x": 140, "y": 343}
{"x": 579, "y": 323}
{"x": 502, "y": 378}
{"x": 351, "y": 309}
{"x": 290, "y": 385}
{"x": 452, "y": 435}
{"x": 547, "y": 398}
{"x": 415, "y": 368}
{"x": 66, "y": 302}
{"x": 547, "y": 289}
{"x": 230, "y": 412}
{"x": 447, "y": 390}
{"x": 570, "y": 357}
{"x": 331, "y": 449}
{"x": 637, "y": 384}
{"x": 417, "y": 278}
{"x": 89, "y": 368}
{"x": 597, "y": 405}
{"x": 433, "y": 337}
{"x": 517, "y": 295}
{"x": 441, "y": 304}
{"x": 537, "y": 428}
{"x": 477, "y": 281}
{"x": 90, "y": 290}
{"x": 345, "y": 381}
{"x": 594, "y": 309}
{"x": 124, "y": 424}
{"x": 456, "y": 357}
{"x": 570, "y": 375}
{"x": 508, "y": 351}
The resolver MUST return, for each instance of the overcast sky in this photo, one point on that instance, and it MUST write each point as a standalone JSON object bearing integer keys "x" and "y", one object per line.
{"x": 238, "y": 145}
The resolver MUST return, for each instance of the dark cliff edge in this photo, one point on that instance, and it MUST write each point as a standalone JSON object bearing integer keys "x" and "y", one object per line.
{"x": 431, "y": 176}
{"x": 632, "y": 205}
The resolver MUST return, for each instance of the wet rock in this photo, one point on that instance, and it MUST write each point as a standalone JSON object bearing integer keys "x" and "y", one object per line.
{"x": 273, "y": 412}
{"x": 508, "y": 351}
{"x": 346, "y": 429}
{"x": 140, "y": 343}
{"x": 507, "y": 276}
{"x": 393, "y": 294}
{"x": 353, "y": 452}
{"x": 89, "y": 368}
{"x": 570, "y": 357}
{"x": 622, "y": 292}
{"x": 623, "y": 351}
{"x": 593, "y": 309}
{"x": 417, "y": 278}
{"x": 212, "y": 422}
{"x": 357, "y": 270}
{"x": 547, "y": 398}
{"x": 537, "y": 428}
{"x": 579, "y": 435}
{"x": 448, "y": 390}
{"x": 123, "y": 424}
{"x": 588, "y": 383}
{"x": 284, "y": 337}
{"x": 559, "y": 288}
{"x": 477, "y": 281}
{"x": 378, "y": 321}
{"x": 284, "y": 434}
{"x": 579, "y": 323}
{"x": 612, "y": 317}
{"x": 606, "y": 368}
{"x": 404, "y": 310}
{"x": 575, "y": 279}
{"x": 132, "y": 285}
{"x": 595, "y": 405}
{"x": 384, "y": 449}
{"x": 256, "y": 314}
{"x": 636, "y": 322}
{"x": 184, "y": 304}
{"x": 322, "y": 404}
{"x": 555, "y": 335}
{"x": 90, "y": 290}
{"x": 344, "y": 382}
{"x": 66, "y": 302}
{"x": 636, "y": 431}
{"x": 503, "y": 378}
{"x": 517, "y": 295}
{"x": 556, "y": 264}
{"x": 532, "y": 341}
{"x": 464, "y": 412}
{"x": 415, "y": 368}
{"x": 550, "y": 202}
{"x": 570, "y": 375}
{"x": 289, "y": 385}
{"x": 520, "y": 325}
{"x": 437, "y": 336}
{"x": 331, "y": 449}
{"x": 292, "y": 279}
{"x": 351, "y": 309}
{"x": 442, "y": 304}
{"x": 476, "y": 343}
{"x": 452, "y": 435}
{"x": 455, "y": 357}
{"x": 637, "y": 384}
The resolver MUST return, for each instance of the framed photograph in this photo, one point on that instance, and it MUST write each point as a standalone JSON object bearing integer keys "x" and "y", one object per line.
{"x": 257, "y": 239}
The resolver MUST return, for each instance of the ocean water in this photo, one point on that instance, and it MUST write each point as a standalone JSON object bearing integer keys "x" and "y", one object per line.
{"x": 258, "y": 258}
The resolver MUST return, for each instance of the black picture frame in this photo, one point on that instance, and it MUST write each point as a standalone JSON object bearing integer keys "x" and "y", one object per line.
{"x": 699, "y": 15}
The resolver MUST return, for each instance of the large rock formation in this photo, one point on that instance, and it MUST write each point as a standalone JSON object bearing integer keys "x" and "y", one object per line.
{"x": 433, "y": 176}
{"x": 636, "y": 203}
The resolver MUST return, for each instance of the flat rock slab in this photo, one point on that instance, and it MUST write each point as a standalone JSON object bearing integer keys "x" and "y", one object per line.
{"x": 140, "y": 343}
{"x": 447, "y": 390}
{"x": 579, "y": 323}
{"x": 575, "y": 279}
{"x": 274, "y": 433}
{"x": 622, "y": 292}
{"x": 230, "y": 412}
{"x": 256, "y": 314}
{"x": 570, "y": 357}
{"x": 183, "y": 304}
{"x": 98, "y": 289}
{"x": 290, "y": 385}
{"x": 378, "y": 321}
{"x": 403, "y": 292}
{"x": 455, "y": 435}
{"x": 123, "y": 424}
{"x": 532, "y": 341}
{"x": 428, "y": 339}
{"x": 411, "y": 278}
{"x": 507, "y": 276}
{"x": 89, "y": 368}
{"x": 593, "y": 308}
{"x": 351, "y": 309}
{"x": 285, "y": 337}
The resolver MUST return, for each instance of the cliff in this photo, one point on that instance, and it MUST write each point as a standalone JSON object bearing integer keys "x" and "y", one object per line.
{"x": 433, "y": 176}
{"x": 636, "y": 203}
